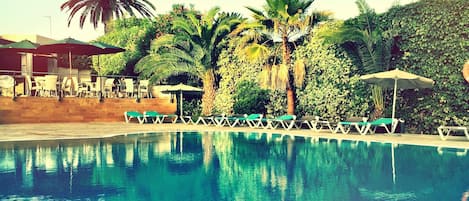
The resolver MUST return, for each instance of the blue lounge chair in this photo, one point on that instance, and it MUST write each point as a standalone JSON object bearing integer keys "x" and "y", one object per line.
{"x": 252, "y": 120}
{"x": 389, "y": 124}
{"x": 358, "y": 123}
{"x": 129, "y": 115}
{"x": 286, "y": 121}
{"x": 158, "y": 117}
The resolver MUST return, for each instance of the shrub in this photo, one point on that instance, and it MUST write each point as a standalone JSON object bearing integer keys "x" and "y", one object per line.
{"x": 249, "y": 99}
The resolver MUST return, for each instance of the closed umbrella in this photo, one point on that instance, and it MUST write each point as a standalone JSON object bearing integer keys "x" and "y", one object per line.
{"x": 397, "y": 79}
{"x": 182, "y": 88}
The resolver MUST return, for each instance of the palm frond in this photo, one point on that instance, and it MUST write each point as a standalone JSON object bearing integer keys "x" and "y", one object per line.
{"x": 299, "y": 72}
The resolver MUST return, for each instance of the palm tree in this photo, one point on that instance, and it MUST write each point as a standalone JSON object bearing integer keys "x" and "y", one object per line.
{"x": 193, "y": 50}
{"x": 369, "y": 45}
{"x": 105, "y": 10}
{"x": 283, "y": 21}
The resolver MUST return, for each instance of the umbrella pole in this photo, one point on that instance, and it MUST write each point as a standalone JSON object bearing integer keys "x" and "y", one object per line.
{"x": 180, "y": 100}
{"x": 394, "y": 101}
{"x": 70, "y": 71}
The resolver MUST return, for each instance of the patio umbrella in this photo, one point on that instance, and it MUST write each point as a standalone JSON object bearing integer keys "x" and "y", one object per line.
{"x": 105, "y": 49}
{"x": 21, "y": 46}
{"x": 182, "y": 88}
{"x": 70, "y": 46}
{"x": 397, "y": 79}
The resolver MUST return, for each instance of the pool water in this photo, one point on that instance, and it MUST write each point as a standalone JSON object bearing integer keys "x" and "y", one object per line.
{"x": 229, "y": 166}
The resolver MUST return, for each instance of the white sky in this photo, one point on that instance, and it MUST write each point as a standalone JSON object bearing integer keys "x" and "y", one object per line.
{"x": 44, "y": 17}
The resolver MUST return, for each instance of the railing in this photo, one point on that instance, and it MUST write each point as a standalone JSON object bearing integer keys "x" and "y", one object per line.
{"x": 88, "y": 85}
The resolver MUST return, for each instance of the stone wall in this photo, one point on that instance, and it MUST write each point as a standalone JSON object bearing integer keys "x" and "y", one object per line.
{"x": 71, "y": 109}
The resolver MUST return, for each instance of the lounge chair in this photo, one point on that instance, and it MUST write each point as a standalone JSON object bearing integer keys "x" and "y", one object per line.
{"x": 286, "y": 121}
{"x": 357, "y": 123}
{"x": 319, "y": 124}
{"x": 235, "y": 119}
{"x": 154, "y": 116}
{"x": 445, "y": 131}
{"x": 254, "y": 120}
{"x": 160, "y": 118}
{"x": 381, "y": 122}
{"x": 129, "y": 115}
{"x": 305, "y": 120}
{"x": 209, "y": 120}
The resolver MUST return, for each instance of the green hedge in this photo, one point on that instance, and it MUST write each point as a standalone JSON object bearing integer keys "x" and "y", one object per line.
{"x": 434, "y": 42}
{"x": 332, "y": 88}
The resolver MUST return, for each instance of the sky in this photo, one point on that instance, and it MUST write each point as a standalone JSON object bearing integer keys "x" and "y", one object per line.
{"x": 45, "y": 18}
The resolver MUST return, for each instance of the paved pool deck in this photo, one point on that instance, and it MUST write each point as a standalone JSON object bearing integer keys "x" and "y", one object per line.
{"x": 53, "y": 131}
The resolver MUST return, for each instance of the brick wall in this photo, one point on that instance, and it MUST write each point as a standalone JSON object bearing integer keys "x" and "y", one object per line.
{"x": 49, "y": 110}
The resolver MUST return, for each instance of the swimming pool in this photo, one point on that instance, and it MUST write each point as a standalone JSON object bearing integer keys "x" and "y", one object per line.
{"x": 229, "y": 166}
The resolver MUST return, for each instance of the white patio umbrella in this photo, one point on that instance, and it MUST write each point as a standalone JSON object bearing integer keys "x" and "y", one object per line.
{"x": 182, "y": 88}
{"x": 397, "y": 79}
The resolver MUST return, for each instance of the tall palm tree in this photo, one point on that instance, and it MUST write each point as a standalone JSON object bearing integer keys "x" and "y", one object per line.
{"x": 194, "y": 50}
{"x": 283, "y": 21}
{"x": 105, "y": 10}
{"x": 370, "y": 46}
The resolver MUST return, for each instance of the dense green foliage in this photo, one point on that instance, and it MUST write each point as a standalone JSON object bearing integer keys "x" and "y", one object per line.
{"x": 193, "y": 49}
{"x": 132, "y": 34}
{"x": 233, "y": 69}
{"x": 332, "y": 88}
{"x": 250, "y": 98}
{"x": 434, "y": 42}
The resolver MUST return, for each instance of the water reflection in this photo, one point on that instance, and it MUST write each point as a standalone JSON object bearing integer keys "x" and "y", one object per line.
{"x": 229, "y": 166}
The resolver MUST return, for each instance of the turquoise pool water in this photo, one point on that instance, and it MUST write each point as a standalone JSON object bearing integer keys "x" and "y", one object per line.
{"x": 229, "y": 166}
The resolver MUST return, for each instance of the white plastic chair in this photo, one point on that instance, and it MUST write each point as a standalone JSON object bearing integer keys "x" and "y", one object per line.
{"x": 108, "y": 85}
{"x": 144, "y": 88}
{"x": 50, "y": 85}
{"x": 129, "y": 87}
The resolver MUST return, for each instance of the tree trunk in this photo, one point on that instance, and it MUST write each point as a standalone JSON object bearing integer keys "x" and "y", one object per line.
{"x": 209, "y": 92}
{"x": 290, "y": 89}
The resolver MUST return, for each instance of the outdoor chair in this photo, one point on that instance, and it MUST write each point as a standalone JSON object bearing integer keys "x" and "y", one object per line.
{"x": 38, "y": 87}
{"x": 211, "y": 119}
{"x": 158, "y": 118}
{"x": 357, "y": 123}
{"x": 129, "y": 115}
{"x": 286, "y": 121}
{"x": 69, "y": 86}
{"x": 254, "y": 120}
{"x": 108, "y": 87}
{"x": 389, "y": 124}
{"x": 305, "y": 120}
{"x": 144, "y": 88}
{"x": 129, "y": 87}
{"x": 445, "y": 131}
{"x": 50, "y": 85}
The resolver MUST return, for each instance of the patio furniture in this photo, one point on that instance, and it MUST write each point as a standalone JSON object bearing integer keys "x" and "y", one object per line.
{"x": 129, "y": 115}
{"x": 144, "y": 88}
{"x": 50, "y": 85}
{"x": 108, "y": 87}
{"x": 357, "y": 123}
{"x": 445, "y": 131}
{"x": 286, "y": 121}
{"x": 382, "y": 122}
{"x": 129, "y": 87}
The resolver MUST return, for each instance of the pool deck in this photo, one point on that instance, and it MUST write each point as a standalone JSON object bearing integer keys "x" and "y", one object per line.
{"x": 52, "y": 131}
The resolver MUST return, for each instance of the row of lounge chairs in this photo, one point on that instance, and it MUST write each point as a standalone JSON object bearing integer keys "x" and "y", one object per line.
{"x": 288, "y": 122}
{"x": 149, "y": 117}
